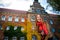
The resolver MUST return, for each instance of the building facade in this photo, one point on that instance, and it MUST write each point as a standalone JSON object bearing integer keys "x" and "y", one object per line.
{"x": 28, "y": 22}
{"x": 20, "y": 18}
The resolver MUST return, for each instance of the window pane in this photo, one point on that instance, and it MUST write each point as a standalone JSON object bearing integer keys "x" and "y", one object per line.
{"x": 17, "y": 19}
{"x": 0, "y": 27}
{"x": 53, "y": 30}
{"x": 22, "y": 20}
{"x": 34, "y": 38}
{"x": 6, "y": 38}
{"x": 10, "y": 18}
{"x": 51, "y": 22}
{"x": 45, "y": 19}
{"x": 22, "y": 28}
{"x": 58, "y": 30}
{"x": 32, "y": 18}
{"x": 22, "y": 38}
{"x": 43, "y": 11}
{"x": 33, "y": 27}
{"x": 7, "y": 28}
{"x": 33, "y": 10}
{"x": 14, "y": 38}
{"x": 15, "y": 27}
{"x": 38, "y": 10}
{"x": 3, "y": 18}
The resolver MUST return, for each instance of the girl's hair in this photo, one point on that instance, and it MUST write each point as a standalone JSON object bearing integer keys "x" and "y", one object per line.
{"x": 41, "y": 17}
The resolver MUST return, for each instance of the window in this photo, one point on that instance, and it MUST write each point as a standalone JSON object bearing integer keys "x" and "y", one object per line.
{"x": 22, "y": 38}
{"x": 15, "y": 27}
{"x": 34, "y": 37}
{"x": 6, "y": 38}
{"x": 7, "y": 28}
{"x": 10, "y": 18}
{"x": 32, "y": 18}
{"x": 22, "y": 28}
{"x": 33, "y": 10}
{"x": 58, "y": 30}
{"x": 38, "y": 10}
{"x": 3, "y": 18}
{"x": 17, "y": 19}
{"x": 43, "y": 11}
{"x": 22, "y": 20}
{"x": 14, "y": 38}
{"x": 0, "y": 27}
{"x": 51, "y": 22}
{"x": 53, "y": 30}
{"x": 33, "y": 27}
{"x": 45, "y": 19}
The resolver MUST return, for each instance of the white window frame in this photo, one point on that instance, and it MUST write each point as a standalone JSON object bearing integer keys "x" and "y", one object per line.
{"x": 23, "y": 19}
{"x": 51, "y": 22}
{"x": 14, "y": 38}
{"x": 8, "y": 28}
{"x": 22, "y": 38}
{"x": 34, "y": 37}
{"x": 10, "y": 18}
{"x": 3, "y": 18}
{"x": 33, "y": 19}
{"x": 6, "y": 38}
{"x": 22, "y": 28}
{"x": 15, "y": 27}
{"x": 33, "y": 27}
{"x": 17, "y": 19}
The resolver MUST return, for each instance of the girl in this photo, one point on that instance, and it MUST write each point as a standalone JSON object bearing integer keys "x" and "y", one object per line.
{"x": 42, "y": 27}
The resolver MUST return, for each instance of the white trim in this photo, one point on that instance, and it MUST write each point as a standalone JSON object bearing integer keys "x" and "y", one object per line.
{"x": 10, "y": 18}
{"x": 3, "y": 18}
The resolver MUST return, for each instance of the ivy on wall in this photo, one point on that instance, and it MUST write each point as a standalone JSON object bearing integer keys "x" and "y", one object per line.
{"x": 11, "y": 33}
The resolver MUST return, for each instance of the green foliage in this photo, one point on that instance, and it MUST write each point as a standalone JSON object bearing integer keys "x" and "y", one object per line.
{"x": 55, "y": 4}
{"x": 9, "y": 32}
{"x": 18, "y": 33}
